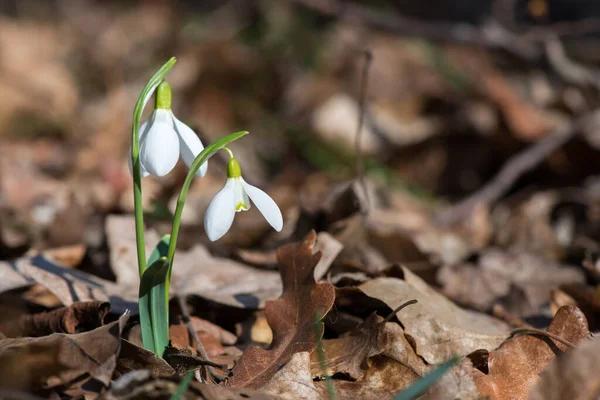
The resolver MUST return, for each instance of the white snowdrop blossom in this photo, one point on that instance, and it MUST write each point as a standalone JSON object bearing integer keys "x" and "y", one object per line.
{"x": 164, "y": 138}
{"x": 235, "y": 197}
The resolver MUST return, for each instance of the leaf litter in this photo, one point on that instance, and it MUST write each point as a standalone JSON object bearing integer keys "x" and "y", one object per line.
{"x": 472, "y": 188}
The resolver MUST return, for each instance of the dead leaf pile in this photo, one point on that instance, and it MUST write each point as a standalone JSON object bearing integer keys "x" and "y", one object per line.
{"x": 443, "y": 157}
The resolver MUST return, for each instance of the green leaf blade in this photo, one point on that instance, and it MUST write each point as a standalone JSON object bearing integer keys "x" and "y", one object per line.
{"x": 423, "y": 384}
{"x": 154, "y": 318}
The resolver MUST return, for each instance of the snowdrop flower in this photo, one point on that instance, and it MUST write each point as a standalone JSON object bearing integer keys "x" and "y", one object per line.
{"x": 235, "y": 197}
{"x": 163, "y": 138}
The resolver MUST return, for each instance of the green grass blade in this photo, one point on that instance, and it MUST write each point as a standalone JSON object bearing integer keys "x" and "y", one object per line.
{"x": 420, "y": 386}
{"x": 183, "y": 386}
{"x": 153, "y": 313}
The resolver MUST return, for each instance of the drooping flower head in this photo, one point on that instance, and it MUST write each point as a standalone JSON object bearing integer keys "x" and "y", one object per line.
{"x": 235, "y": 197}
{"x": 164, "y": 138}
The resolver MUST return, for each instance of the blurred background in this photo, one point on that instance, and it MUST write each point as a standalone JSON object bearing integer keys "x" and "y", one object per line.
{"x": 453, "y": 90}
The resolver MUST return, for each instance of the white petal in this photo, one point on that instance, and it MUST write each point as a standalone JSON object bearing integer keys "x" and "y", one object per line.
{"x": 265, "y": 205}
{"x": 159, "y": 149}
{"x": 220, "y": 213}
{"x": 190, "y": 145}
{"x": 142, "y": 133}
{"x": 241, "y": 201}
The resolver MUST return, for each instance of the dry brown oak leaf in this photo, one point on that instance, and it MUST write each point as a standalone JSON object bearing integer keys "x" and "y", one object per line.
{"x": 573, "y": 376}
{"x": 293, "y": 317}
{"x": 516, "y": 365}
{"x": 78, "y": 317}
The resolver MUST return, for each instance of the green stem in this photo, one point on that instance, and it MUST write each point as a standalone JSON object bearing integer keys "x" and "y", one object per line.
{"x": 135, "y": 160}
{"x": 198, "y": 161}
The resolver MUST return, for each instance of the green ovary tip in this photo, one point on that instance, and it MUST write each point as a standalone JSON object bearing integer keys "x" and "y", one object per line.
{"x": 233, "y": 168}
{"x": 163, "y": 96}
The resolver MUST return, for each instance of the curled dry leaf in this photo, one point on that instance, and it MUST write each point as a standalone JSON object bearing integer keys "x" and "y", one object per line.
{"x": 294, "y": 317}
{"x": 439, "y": 327}
{"x": 515, "y": 366}
{"x": 78, "y": 317}
{"x": 499, "y": 274}
{"x": 572, "y": 376}
{"x": 349, "y": 353}
{"x": 68, "y": 364}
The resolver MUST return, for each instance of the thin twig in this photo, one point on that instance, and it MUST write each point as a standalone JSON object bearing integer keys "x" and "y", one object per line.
{"x": 397, "y": 310}
{"x": 539, "y": 332}
{"x": 568, "y": 69}
{"x": 514, "y": 168}
{"x": 362, "y": 104}
{"x": 414, "y": 371}
{"x": 200, "y": 348}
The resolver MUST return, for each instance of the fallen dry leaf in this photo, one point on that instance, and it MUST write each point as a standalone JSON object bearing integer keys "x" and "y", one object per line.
{"x": 78, "y": 317}
{"x": 439, "y": 327}
{"x": 572, "y": 376}
{"x": 457, "y": 383}
{"x": 293, "y": 317}
{"x": 293, "y": 380}
{"x": 68, "y": 364}
{"x": 528, "y": 225}
{"x": 349, "y": 353}
{"x": 498, "y": 274}
{"x": 69, "y": 285}
{"x": 120, "y": 235}
{"x": 133, "y": 357}
{"x": 69, "y": 256}
{"x": 516, "y": 365}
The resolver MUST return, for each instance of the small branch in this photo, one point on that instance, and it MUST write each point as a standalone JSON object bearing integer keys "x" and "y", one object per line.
{"x": 362, "y": 94}
{"x": 397, "y": 310}
{"x": 200, "y": 348}
{"x": 514, "y": 168}
{"x": 568, "y": 69}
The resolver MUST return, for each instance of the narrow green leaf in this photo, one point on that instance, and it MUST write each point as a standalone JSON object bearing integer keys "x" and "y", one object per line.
{"x": 153, "y": 309}
{"x": 160, "y": 250}
{"x": 183, "y": 386}
{"x": 420, "y": 386}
